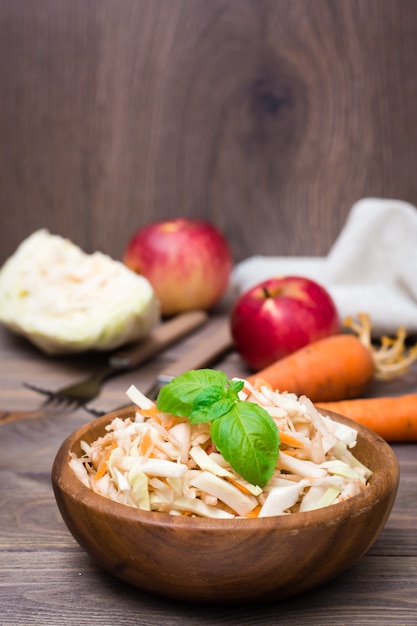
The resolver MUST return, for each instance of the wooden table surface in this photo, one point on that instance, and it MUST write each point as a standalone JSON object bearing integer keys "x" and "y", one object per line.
{"x": 46, "y": 578}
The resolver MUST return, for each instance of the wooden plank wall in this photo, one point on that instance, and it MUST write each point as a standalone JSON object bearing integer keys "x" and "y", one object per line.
{"x": 268, "y": 117}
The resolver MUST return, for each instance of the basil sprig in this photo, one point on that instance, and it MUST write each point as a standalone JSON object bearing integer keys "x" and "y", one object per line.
{"x": 243, "y": 432}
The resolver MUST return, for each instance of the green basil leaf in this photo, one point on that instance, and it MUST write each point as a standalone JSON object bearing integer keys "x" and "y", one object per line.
{"x": 236, "y": 386}
{"x": 201, "y": 410}
{"x": 208, "y": 396}
{"x": 247, "y": 437}
{"x": 211, "y": 412}
{"x": 178, "y": 396}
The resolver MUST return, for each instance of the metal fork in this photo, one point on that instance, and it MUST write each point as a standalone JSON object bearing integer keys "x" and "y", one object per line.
{"x": 205, "y": 353}
{"x": 159, "y": 338}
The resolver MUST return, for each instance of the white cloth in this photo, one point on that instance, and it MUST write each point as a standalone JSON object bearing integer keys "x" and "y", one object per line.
{"x": 371, "y": 268}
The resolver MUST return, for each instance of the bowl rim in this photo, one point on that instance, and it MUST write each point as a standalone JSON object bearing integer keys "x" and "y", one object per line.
{"x": 62, "y": 476}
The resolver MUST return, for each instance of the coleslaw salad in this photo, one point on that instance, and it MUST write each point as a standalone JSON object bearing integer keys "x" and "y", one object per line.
{"x": 157, "y": 461}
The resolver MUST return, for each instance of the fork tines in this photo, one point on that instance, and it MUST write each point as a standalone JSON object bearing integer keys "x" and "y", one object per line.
{"x": 51, "y": 395}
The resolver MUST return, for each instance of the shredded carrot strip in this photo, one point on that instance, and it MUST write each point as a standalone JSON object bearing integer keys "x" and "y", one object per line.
{"x": 171, "y": 421}
{"x": 238, "y": 485}
{"x": 108, "y": 446}
{"x": 146, "y": 443}
{"x": 255, "y": 512}
{"x": 151, "y": 412}
{"x": 101, "y": 470}
{"x": 289, "y": 440}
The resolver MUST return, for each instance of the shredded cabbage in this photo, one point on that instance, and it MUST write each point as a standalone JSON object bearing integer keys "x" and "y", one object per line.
{"x": 160, "y": 462}
{"x": 64, "y": 300}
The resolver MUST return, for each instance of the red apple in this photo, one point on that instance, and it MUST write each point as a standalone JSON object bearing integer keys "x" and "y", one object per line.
{"x": 279, "y": 316}
{"x": 187, "y": 261}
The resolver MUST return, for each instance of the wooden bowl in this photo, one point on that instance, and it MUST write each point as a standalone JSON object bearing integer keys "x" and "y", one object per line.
{"x": 223, "y": 561}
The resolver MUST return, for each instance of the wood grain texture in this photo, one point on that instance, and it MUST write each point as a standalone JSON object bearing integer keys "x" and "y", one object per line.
{"x": 225, "y": 561}
{"x": 268, "y": 117}
{"x": 46, "y": 579}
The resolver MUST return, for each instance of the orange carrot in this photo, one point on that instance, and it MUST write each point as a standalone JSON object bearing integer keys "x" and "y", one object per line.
{"x": 341, "y": 366}
{"x": 289, "y": 440}
{"x": 393, "y": 418}
{"x": 150, "y": 412}
{"x": 242, "y": 488}
{"x": 254, "y": 513}
{"x": 108, "y": 446}
{"x": 146, "y": 443}
{"x": 102, "y": 469}
{"x": 333, "y": 368}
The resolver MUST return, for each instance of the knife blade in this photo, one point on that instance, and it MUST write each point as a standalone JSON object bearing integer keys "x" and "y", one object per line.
{"x": 161, "y": 337}
{"x": 158, "y": 339}
{"x": 206, "y": 352}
